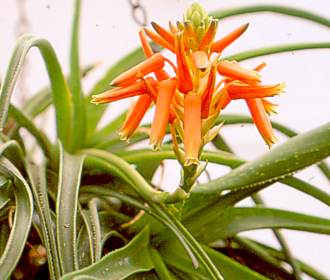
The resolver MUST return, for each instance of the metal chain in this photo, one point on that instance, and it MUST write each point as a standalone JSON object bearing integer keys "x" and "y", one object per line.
{"x": 139, "y": 12}
{"x": 22, "y": 26}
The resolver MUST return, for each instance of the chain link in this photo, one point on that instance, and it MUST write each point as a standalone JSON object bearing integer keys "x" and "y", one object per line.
{"x": 139, "y": 12}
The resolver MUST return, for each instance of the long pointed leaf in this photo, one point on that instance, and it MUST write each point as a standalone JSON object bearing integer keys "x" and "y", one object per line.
{"x": 61, "y": 94}
{"x": 22, "y": 220}
{"x": 66, "y": 209}
{"x": 121, "y": 263}
{"x": 290, "y": 11}
{"x": 79, "y": 115}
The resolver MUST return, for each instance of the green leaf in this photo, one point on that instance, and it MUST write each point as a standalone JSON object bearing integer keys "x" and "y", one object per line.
{"x": 174, "y": 256}
{"x": 218, "y": 225}
{"x": 92, "y": 223}
{"x": 229, "y": 119}
{"x": 122, "y": 169}
{"x": 37, "y": 176}
{"x": 22, "y": 220}
{"x": 290, "y": 11}
{"x": 279, "y": 163}
{"x": 121, "y": 263}
{"x": 159, "y": 265}
{"x": 94, "y": 112}
{"x": 24, "y": 121}
{"x": 306, "y": 268}
{"x": 61, "y": 95}
{"x": 141, "y": 155}
{"x": 79, "y": 115}
{"x": 277, "y": 49}
{"x": 66, "y": 209}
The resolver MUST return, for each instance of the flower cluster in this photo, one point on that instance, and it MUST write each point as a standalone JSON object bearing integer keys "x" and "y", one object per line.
{"x": 202, "y": 85}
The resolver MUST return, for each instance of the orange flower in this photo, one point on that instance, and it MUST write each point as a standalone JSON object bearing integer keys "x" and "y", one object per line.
{"x": 193, "y": 97}
{"x": 163, "y": 104}
{"x": 150, "y": 65}
{"x": 135, "y": 116}
{"x": 192, "y": 128}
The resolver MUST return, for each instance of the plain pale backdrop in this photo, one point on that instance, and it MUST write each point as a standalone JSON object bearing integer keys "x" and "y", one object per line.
{"x": 108, "y": 32}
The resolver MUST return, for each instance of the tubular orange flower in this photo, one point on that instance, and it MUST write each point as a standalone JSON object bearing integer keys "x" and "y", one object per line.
{"x": 236, "y": 72}
{"x": 160, "y": 73}
{"x": 209, "y": 36}
{"x": 151, "y": 64}
{"x": 207, "y": 95}
{"x": 243, "y": 91}
{"x": 115, "y": 94}
{"x": 184, "y": 76}
{"x": 159, "y": 40}
{"x": 161, "y": 118}
{"x": 135, "y": 116}
{"x": 261, "y": 120}
{"x": 192, "y": 128}
{"x": 224, "y": 42}
{"x": 166, "y": 35}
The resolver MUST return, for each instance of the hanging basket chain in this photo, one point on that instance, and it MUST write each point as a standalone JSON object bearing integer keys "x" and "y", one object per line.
{"x": 139, "y": 12}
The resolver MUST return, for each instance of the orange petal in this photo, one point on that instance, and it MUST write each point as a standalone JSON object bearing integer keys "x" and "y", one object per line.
{"x": 185, "y": 80}
{"x": 150, "y": 88}
{"x": 242, "y": 91}
{"x": 135, "y": 116}
{"x": 151, "y": 64}
{"x": 209, "y": 36}
{"x": 224, "y": 42}
{"x": 236, "y": 72}
{"x": 161, "y": 73}
{"x": 164, "y": 98}
{"x": 192, "y": 128}
{"x": 166, "y": 35}
{"x": 145, "y": 44}
{"x": 207, "y": 95}
{"x": 120, "y": 93}
{"x": 261, "y": 120}
{"x": 159, "y": 40}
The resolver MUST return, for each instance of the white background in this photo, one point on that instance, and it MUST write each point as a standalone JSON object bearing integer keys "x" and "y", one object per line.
{"x": 108, "y": 32}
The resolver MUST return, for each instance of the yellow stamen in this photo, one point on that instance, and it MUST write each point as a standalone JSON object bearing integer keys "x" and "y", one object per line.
{"x": 270, "y": 107}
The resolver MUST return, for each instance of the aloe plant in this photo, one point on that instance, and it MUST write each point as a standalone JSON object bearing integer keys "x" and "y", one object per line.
{"x": 88, "y": 209}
